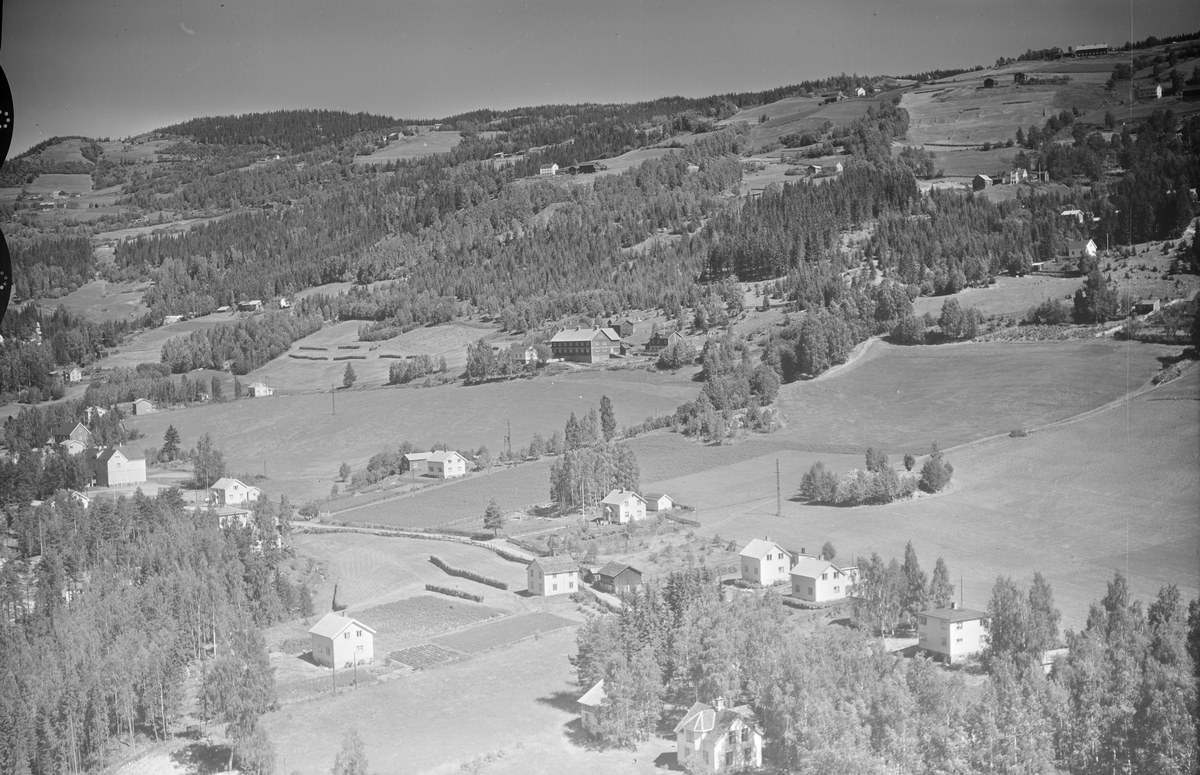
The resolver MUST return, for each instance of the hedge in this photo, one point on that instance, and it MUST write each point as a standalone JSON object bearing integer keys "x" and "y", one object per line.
{"x": 454, "y": 593}
{"x": 308, "y": 357}
{"x": 348, "y": 347}
{"x": 349, "y": 357}
{"x": 310, "y": 347}
{"x": 466, "y": 574}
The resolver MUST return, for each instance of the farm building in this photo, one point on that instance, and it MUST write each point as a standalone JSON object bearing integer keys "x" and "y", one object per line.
{"x": 258, "y": 390}
{"x": 549, "y": 576}
{"x": 548, "y": 169}
{"x": 585, "y": 345}
{"x": 1079, "y": 248}
{"x": 531, "y": 355}
{"x": 80, "y": 498}
{"x": 616, "y": 576}
{"x": 589, "y": 704}
{"x": 818, "y": 580}
{"x": 660, "y": 342}
{"x": 417, "y": 462}
{"x": 74, "y": 375}
{"x": 253, "y": 305}
{"x": 227, "y": 516}
{"x": 980, "y": 182}
{"x": 73, "y": 432}
{"x": 1073, "y": 212}
{"x": 693, "y": 167}
{"x": 623, "y": 328}
{"x": 860, "y": 92}
{"x": 723, "y": 738}
{"x": 339, "y": 641}
{"x": 143, "y": 406}
{"x": 95, "y": 413}
{"x": 112, "y": 468}
{"x": 1016, "y": 176}
{"x": 1088, "y": 50}
{"x": 952, "y": 634}
{"x": 989, "y": 83}
{"x": 765, "y": 562}
{"x": 1146, "y": 306}
{"x": 1020, "y": 78}
{"x": 658, "y": 501}
{"x": 72, "y": 447}
{"x": 230, "y": 492}
{"x": 447, "y": 465}
{"x": 171, "y": 319}
{"x": 1150, "y": 91}
{"x": 622, "y": 506}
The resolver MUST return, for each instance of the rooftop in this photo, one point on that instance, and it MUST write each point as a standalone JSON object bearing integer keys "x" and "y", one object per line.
{"x": 333, "y": 623}
{"x": 954, "y": 614}
{"x": 562, "y": 563}
{"x": 584, "y": 335}
{"x": 594, "y": 696}
{"x": 617, "y": 497}
{"x": 759, "y": 548}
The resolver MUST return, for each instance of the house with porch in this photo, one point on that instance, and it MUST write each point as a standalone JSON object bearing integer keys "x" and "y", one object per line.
{"x": 622, "y": 506}
{"x": 232, "y": 492}
{"x": 723, "y": 739}
{"x": 76, "y": 431}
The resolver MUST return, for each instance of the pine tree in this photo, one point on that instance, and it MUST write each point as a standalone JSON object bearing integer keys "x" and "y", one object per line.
{"x": 941, "y": 591}
{"x": 170, "y": 447}
{"x": 608, "y": 418}
{"x": 915, "y": 581}
{"x": 348, "y": 376}
{"x": 493, "y": 517}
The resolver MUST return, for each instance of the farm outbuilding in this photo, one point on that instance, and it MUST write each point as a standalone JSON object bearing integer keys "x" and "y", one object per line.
{"x": 417, "y": 462}
{"x": 1088, "y": 50}
{"x": 143, "y": 406}
{"x": 1146, "y": 306}
{"x": 252, "y": 305}
{"x": 989, "y": 83}
{"x": 589, "y": 705}
{"x": 951, "y": 634}
{"x": 259, "y": 390}
{"x": 339, "y": 641}
{"x": 980, "y": 182}
{"x": 658, "y": 501}
{"x": 616, "y": 576}
{"x": 71, "y": 447}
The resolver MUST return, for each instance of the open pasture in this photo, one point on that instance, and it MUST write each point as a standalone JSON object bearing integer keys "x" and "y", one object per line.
{"x": 371, "y": 570}
{"x": 616, "y": 165}
{"x": 424, "y": 144}
{"x": 68, "y": 183}
{"x": 302, "y": 442}
{"x": 67, "y": 150}
{"x": 903, "y": 398}
{"x": 1009, "y": 296}
{"x": 141, "y": 150}
{"x": 963, "y": 114}
{"x": 506, "y": 631}
{"x": 966, "y": 163}
{"x": 1115, "y": 490}
{"x": 100, "y": 300}
{"x": 146, "y": 347}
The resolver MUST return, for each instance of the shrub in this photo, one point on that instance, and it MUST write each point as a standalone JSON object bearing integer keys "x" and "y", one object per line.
{"x": 466, "y": 574}
{"x": 819, "y": 485}
{"x": 454, "y": 593}
{"x": 936, "y": 472}
{"x": 1018, "y": 433}
{"x": 910, "y": 330}
{"x": 909, "y": 461}
{"x": 1051, "y": 312}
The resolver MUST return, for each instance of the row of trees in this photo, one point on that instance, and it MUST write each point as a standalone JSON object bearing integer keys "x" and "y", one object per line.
{"x": 248, "y": 343}
{"x": 878, "y": 483}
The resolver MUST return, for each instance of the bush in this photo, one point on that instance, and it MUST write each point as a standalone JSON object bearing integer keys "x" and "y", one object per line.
{"x": 1018, "y": 433}
{"x": 819, "y": 485}
{"x": 936, "y": 472}
{"x": 454, "y": 593}
{"x": 1051, "y": 312}
{"x": 466, "y": 574}
{"x": 909, "y": 461}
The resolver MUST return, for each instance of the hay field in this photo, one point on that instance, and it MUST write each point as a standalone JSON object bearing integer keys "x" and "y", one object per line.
{"x": 302, "y": 442}
{"x": 424, "y": 144}
{"x": 64, "y": 151}
{"x": 963, "y": 114}
{"x": 1068, "y": 501}
{"x": 146, "y": 347}
{"x": 616, "y": 165}
{"x": 139, "y": 151}
{"x": 101, "y": 300}
{"x": 1010, "y": 296}
{"x": 902, "y": 398}
{"x": 71, "y": 184}
{"x": 300, "y": 374}
{"x": 171, "y": 227}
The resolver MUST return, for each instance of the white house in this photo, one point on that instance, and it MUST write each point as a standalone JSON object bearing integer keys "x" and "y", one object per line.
{"x": 143, "y": 406}
{"x": 765, "y": 562}
{"x": 724, "y": 739}
{"x": 531, "y": 355}
{"x": 259, "y": 390}
{"x": 74, "y": 375}
{"x": 112, "y": 468}
{"x": 1150, "y": 91}
{"x": 589, "y": 704}
{"x": 860, "y": 92}
{"x": 548, "y": 169}
{"x": 952, "y": 634}
{"x": 339, "y": 641}
{"x": 658, "y": 501}
{"x": 231, "y": 492}
{"x": 549, "y": 576}
{"x": 1078, "y": 248}
{"x": 622, "y": 506}
{"x": 817, "y": 580}
{"x": 447, "y": 465}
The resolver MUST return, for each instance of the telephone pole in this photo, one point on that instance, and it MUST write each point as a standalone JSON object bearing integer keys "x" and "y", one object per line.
{"x": 333, "y": 396}
{"x": 778, "y": 492}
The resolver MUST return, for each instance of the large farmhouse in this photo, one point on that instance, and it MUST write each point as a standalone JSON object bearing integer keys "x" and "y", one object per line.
{"x": 660, "y": 342}
{"x": 952, "y": 634}
{"x": 339, "y": 641}
{"x": 446, "y": 465}
{"x": 585, "y": 345}
{"x": 765, "y": 562}
{"x": 549, "y": 576}
{"x": 112, "y": 468}
{"x": 724, "y": 739}
{"x": 73, "y": 432}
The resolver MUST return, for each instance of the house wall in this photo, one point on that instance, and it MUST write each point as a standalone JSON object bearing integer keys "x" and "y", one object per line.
{"x": 344, "y": 651}
{"x": 453, "y": 467}
{"x": 587, "y": 716}
{"x": 818, "y": 590}
{"x": 767, "y": 572}
{"x": 951, "y": 640}
{"x": 550, "y": 584}
{"x": 659, "y": 504}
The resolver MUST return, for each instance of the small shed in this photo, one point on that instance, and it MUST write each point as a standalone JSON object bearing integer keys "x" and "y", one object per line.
{"x": 589, "y": 705}
{"x": 658, "y": 501}
{"x": 143, "y": 406}
{"x": 259, "y": 390}
{"x": 1146, "y": 306}
{"x": 616, "y": 576}
{"x": 989, "y": 83}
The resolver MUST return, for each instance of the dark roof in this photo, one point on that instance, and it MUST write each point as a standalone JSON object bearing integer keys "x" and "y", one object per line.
{"x": 954, "y": 614}
{"x": 614, "y": 569}
{"x": 67, "y": 428}
{"x": 562, "y": 563}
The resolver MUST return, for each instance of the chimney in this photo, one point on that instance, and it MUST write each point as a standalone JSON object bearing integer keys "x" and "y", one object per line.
{"x": 953, "y": 606}
{"x": 719, "y": 704}
{"x": 803, "y": 551}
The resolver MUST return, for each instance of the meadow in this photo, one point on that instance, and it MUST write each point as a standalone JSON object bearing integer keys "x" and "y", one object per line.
{"x": 1009, "y": 296}
{"x": 967, "y": 114}
{"x": 101, "y": 300}
{"x": 423, "y": 144}
{"x": 71, "y": 184}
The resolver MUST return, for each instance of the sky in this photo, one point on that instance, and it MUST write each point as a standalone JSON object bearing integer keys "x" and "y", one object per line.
{"x": 105, "y": 68}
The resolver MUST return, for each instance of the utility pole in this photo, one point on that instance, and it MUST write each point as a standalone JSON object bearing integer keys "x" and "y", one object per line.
{"x": 508, "y": 440}
{"x": 333, "y": 397}
{"x": 778, "y": 492}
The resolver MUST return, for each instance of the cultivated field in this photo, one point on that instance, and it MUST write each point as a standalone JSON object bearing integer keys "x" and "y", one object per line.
{"x": 71, "y": 184}
{"x": 146, "y": 347}
{"x": 101, "y": 300}
{"x": 424, "y": 144}
{"x": 302, "y": 442}
{"x": 489, "y": 636}
{"x": 1010, "y": 296}
{"x": 1115, "y": 490}
{"x": 967, "y": 114}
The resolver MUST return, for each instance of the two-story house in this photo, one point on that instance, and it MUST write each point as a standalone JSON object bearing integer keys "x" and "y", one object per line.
{"x": 622, "y": 506}
{"x": 765, "y": 562}
{"x": 817, "y": 580}
{"x": 549, "y": 576}
{"x": 339, "y": 641}
{"x": 724, "y": 739}
{"x": 585, "y": 345}
{"x": 447, "y": 465}
{"x": 952, "y": 634}
{"x": 231, "y": 492}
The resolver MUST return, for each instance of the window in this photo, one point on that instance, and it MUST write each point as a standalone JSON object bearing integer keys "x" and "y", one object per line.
{"x": 554, "y": 588}
{"x": 749, "y": 754}
{"x": 810, "y": 590}
{"x": 781, "y": 569}
{"x": 360, "y": 647}
{"x": 943, "y": 624}
{"x": 837, "y": 589}
{"x": 943, "y": 641}
{"x": 570, "y": 585}
{"x": 824, "y": 577}
{"x": 921, "y": 619}
{"x": 769, "y": 558}
{"x": 745, "y": 734}
{"x": 346, "y": 636}
{"x": 921, "y": 637}
{"x": 358, "y": 633}
{"x": 688, "y": 736}
{"x": 729, "y": 758}
{"x": 958, "y": 626}
{"x": 958, "y": 640}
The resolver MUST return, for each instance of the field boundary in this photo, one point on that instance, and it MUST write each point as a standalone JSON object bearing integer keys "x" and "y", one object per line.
{"x": 393, "y": 533}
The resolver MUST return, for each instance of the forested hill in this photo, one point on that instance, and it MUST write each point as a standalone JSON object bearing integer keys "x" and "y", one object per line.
{"x": 298, "y": 131}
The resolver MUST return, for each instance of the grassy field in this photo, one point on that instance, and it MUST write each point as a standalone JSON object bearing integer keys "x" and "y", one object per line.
{"x": 1077, "y": 501}
{"x": 488, "y": 636}
{"x": 965, "y": 113}
{"x": 71, "y": 184}
{"x": 902, "y": 398}
{"x": 146, "y": 347}
{"x": 1011, "y": 296}
{"x": 101, "y": 300}
{"x": 424, "y": 144}
{"x": 302, "y": 442}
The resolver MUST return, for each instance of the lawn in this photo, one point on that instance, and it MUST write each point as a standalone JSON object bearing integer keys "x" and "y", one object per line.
{"x": 420, "y": 617}
{"x": 302, "y": 457}
{"x": 424, "y": 144}
{"x": 488, "y": 636}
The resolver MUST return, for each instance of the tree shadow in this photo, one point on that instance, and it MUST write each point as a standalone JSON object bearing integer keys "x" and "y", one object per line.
{"x": 581, "y": 738}
{"x": 668, "y": 760}
{"x": 202, "y": 758}
{"x": 843, "y": 622}
{"x": 309, "y": 658}
{"x": 565, "y": 700}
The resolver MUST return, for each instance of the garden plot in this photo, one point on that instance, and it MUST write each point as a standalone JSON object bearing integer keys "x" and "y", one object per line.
{"x": 504, "y": 632}
{"x": 424, "y": 656}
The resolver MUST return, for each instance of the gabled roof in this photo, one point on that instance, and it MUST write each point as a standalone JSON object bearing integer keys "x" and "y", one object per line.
{"x": 594, "y": 696}
{"x": 653, "y": 496}
{"x": 332, "y": 625}
{"x": 726, "y": 718}
{"x": 811, "y": 567}
{"x": 985, "y": 177}
{"x": 614, "y": 569}
{"x": 1079, "y": 244}
{"x": 584, "y": 335}
{"x": 699, "y": 718}
{"x": 758, "y": 548}
{"x": 442, "y": 457}
{"x": 954, "y": 614}
{"x": 67, "y": 428}
{"x": 562, "y": 563}
{"x": 617, "y": 497}
{"x": 225, "y": 482}
{"x": 107, "y": 454}
{"x": 412, "y": 456}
